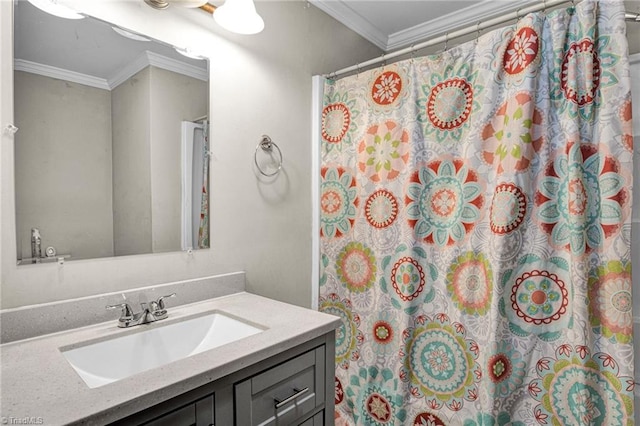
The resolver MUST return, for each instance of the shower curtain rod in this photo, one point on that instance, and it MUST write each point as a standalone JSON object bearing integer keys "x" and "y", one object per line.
{"x": 543, "y": 5}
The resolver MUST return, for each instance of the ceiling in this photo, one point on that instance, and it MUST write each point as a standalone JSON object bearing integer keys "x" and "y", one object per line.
{"x": 88, "y": 51}
{"x": 394, "y": 24}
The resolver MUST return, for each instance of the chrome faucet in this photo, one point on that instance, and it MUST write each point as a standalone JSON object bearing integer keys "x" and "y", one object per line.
{"x": 156, "y": 311}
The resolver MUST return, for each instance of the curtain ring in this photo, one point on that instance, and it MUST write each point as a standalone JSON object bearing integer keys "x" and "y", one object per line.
{"x": 478, "y": 31}
{"x": 357, "y": 70}
{"x": 446, "y": 41}
{"x": 518, "y": 17}
{"x": 413, "y": 52}
{"x": 384, "y": 62}
{"x": 544, "y": 6}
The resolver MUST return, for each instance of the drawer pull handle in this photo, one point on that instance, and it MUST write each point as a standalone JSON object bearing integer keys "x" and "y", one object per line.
{"x": 298, "y": 392}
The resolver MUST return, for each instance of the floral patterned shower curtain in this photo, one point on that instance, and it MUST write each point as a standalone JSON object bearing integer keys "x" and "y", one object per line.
{"x": 203, "y": 228}
{"x": 475, "y": 229}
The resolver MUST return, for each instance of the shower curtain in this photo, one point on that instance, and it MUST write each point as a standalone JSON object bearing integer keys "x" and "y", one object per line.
{"x": 475, "y": 229}
{"x": 203, "y": 227}
{"x": 195, "y": 185}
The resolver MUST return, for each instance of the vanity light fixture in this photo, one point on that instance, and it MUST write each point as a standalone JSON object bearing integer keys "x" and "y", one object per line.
{"x": 163, "y": 4}
{"x": 53, "y": 7}
{"x": 239, "y": 16}
{"x": 189, "y": 3}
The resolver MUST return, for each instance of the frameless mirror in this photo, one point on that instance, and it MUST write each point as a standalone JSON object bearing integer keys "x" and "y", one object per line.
{"x": 111, "y": 156}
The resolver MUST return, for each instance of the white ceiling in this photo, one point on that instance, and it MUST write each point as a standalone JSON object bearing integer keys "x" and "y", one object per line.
{"x": 394, "y": 24}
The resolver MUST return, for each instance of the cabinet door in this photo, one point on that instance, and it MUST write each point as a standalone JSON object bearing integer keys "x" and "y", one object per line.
{"x": 317, "y": 420}
{"x": 284, "y": 393}
{"x": 199, "y": 413}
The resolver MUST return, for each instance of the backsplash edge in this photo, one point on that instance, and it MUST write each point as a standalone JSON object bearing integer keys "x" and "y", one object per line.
{"x": 36, "y": 320}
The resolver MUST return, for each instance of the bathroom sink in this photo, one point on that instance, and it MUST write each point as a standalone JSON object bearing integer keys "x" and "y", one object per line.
{"x": 111, "y": 360}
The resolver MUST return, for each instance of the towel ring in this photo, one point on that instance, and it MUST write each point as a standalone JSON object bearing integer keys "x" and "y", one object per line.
{"x": 266, "y": 144}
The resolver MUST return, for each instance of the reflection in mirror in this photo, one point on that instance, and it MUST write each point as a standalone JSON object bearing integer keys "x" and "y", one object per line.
{"x": 113, "y": 131}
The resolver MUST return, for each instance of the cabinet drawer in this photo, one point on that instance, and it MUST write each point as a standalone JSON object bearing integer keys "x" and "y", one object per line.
{"x": 317, "y": 420}
{"x": 199, "y": 413}
{"x": 283, "y": 393}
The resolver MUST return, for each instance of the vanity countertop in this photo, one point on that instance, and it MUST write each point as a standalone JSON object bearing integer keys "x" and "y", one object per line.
{"x": 38, "y": 383}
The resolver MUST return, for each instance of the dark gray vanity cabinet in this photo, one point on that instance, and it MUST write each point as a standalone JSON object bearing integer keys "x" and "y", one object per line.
{"x": 283, "y": 394}
{"x": 294, "y": 387}
{"x": 199, "y": 413}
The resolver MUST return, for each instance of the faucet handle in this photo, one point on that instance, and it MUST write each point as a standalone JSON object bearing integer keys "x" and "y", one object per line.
{"x": 127, "y": 313}
{"x": 161, "y": 300}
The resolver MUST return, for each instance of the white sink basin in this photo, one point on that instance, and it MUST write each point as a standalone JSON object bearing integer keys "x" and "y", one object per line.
{"x": 111, "y": 360}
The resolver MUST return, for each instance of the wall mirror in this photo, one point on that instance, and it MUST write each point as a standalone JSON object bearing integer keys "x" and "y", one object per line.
{"x": 111, "y": 156}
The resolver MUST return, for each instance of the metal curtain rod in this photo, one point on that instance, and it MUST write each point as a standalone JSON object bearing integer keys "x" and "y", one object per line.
{"x": 543, "y": 5}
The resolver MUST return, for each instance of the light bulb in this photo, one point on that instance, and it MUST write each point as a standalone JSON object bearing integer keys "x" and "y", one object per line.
{"x": 189, "y": 3}
{"x": 239, "y": 16}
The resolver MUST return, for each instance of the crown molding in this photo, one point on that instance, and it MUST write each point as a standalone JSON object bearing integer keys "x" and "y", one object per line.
{"x": 459, "y": 19}
{"x": 60, "y": 74}
{"x": 158, "y": 61}
{"x": 122, "y": 75}
{"x": 354, "y": 21}
{"x": 177, "y": 66}
{"x": 486, "y": 9}
{"x": 128, "y": 71}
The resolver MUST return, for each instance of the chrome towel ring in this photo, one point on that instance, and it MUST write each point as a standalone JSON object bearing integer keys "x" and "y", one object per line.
{"x": 267, "y": 145}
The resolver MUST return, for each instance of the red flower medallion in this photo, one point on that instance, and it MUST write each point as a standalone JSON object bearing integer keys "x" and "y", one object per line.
{"x": 381, "y": 209}
{"x": 382, "y": 332}
{"x": 450, "y": 102}
{"x": 521, "y": 51}
{"x": 336, "y": 119}
{"x": 379, "y": 408}
{"x": 580, "y": 77}
{"x": 386, "y": 88}
{"x": 508, "y": 208}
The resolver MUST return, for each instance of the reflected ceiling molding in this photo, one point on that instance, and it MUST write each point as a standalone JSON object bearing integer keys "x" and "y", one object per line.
{"x": 131, "y": 69}
{"x": 159, "y": 61}
{"x": 177, "y": 66}
{"x": 60, "y": 74}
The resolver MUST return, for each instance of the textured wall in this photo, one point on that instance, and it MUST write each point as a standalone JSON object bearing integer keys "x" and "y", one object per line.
{"x": 63, "y": 176}
{"x": 259, "y": 84}
{"x": 174, "y": 98}
{"x": 131, "y": 167}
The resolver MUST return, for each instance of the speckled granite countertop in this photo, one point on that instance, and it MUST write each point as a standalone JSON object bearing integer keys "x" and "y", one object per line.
{"x": 38, "y": 383}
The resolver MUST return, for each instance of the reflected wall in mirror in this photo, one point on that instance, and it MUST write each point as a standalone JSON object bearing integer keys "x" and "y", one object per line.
{"x": 112, "y": 135}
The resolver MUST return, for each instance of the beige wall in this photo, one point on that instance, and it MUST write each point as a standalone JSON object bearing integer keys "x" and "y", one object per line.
{"x": 174, "y": 98}
{"x": 148, "y": 110}
{"x": 63, "y": 177}
{"x": 131, "y": 166}
{"x": 259, "y": 84}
